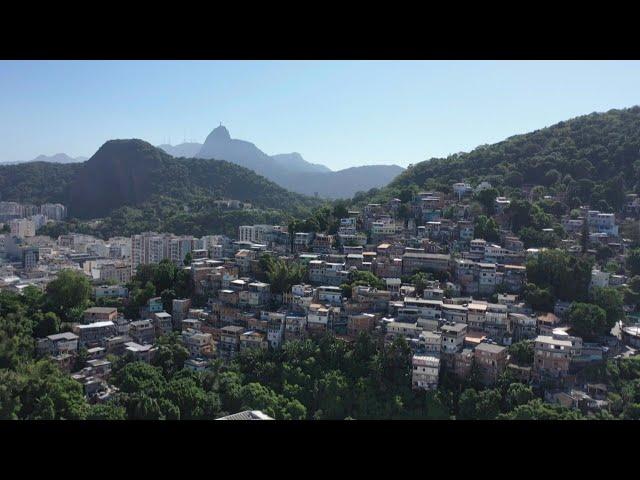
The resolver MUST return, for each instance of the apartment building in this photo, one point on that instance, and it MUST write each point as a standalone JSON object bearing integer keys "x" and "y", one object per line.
{"x": 99, "y": 314}
{"x": 491, "y": 360}
{"x": 425, "y": 372}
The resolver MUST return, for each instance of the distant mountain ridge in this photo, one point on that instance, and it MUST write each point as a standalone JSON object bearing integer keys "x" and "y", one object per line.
{"x": 289, "y": 170}
{"x": 56, "y": 158}
{"x": 187, "y": 149}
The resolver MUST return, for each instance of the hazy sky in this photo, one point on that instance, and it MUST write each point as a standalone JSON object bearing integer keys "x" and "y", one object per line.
{"x": 339, "y": 113}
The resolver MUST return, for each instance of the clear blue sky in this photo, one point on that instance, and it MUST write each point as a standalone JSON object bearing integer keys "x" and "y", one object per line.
{"x": 339, "y": 113}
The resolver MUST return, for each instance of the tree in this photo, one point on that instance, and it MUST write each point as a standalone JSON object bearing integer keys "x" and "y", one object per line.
{"x": 486, "y": 228}
{"x": 611, "y": 301}
{"x": 522, "y": 352}
{"x": 588, "y": 320}
{"x": 536, "y": 409}
{"x": 483, "y": 405}
{"x": 106, "y": 411}
{"x": 334, "y": 395}
{"x": 565, "y": 276}
{"x": 518, "y": 394}
{"x": 633, "y": 261}
{"x": 48, "y": 324}
{"x": 171, "y": 355}
{"x": 71, "y": 289}
{"x": 540, "y": 299}
{"x": 487, "y": 199}
{"x": 419, "y": 280}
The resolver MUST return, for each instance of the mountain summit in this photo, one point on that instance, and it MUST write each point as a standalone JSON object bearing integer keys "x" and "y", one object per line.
{"x": 292, "y": 171}
{"x": 219, "y": 133}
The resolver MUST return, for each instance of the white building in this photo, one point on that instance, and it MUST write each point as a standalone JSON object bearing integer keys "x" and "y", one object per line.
{"x": 425, "y": 372}
{"x": 22, "y": 228}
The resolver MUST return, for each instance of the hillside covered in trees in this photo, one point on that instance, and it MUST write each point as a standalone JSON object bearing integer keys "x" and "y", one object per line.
{"x": 133, "y": 186}
{"x": 592, "y": 159}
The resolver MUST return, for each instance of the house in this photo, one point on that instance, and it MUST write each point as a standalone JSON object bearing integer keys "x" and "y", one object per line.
{"x": 413, "y": 261}
{"x": 163, "y": 323}
{"x": 358, "y": 323}
{"x": 197, "y": 343}
{"x": 196, "y": 364}
{"x": 59, "y": 343}
{"x": 425, "y": 372}
{"x": 631, "y": 336}
{"x": 402, "y": 329}
{"x": 329, "y": 294}
{"x": 553, "y": 353}
{"x": 430, "y": 343}
{"x": 247, "y": 415}
{"x": 142, "y": 353}
{"x": 95, "y": 333}
{"x": 99, "y": 314}
{"x": 453, "y": 337}
{"x": 229, "y": 343}
{"x": 491, "y": 360}
{"x": 253, "y": 340}
{"x": 142, "y": 332}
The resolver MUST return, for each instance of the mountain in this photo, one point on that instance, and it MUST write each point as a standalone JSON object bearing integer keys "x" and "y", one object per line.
{"x": 295, "y": 163}
{"x": 188, "y": 149}
{"x": 292, "y": 171}
{"x": 592, "y": 159}
{"x": 59, "y": 158}
{"x": 132, "y": 172}
{"x": 37, "y": 182}
{"x": 342, "y": 183}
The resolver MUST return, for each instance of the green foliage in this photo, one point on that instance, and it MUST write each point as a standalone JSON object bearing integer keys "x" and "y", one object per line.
{"x": 281, "y": 274}
{"x": 595, "y": 156}
{"x": 565, "y": 276}
{"x": 164, "y": 280}
{"x": 536, "y": 409}
{"x": 540, "y": 299}
{"x": 588, "y": 320}
{"x": 522, "y": 352}
{"x": 611, "y": 301}
{"x": 487, "y": 199}
{"x": 633, "y": 261}
{"x": 68, "y": 293}
{"x": 486, "y": 228}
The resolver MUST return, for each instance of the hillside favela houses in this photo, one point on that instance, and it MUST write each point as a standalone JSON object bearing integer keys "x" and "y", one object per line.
{"x": 461, "y": 292}
{"x": 212, "y": 280}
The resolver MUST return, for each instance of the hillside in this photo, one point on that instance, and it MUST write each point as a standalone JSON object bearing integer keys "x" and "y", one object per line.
{"x": 131, "y": 172}
{"x": 37, "y": 182}
{"x": 589, "y": 159}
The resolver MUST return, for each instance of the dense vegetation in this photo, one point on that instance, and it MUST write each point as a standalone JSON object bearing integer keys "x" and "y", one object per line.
{"x": 138, "y": 187}
{"x": 593, "y": 159}
{"x": 37, "y": 182}
{"x": 306, "y": 379}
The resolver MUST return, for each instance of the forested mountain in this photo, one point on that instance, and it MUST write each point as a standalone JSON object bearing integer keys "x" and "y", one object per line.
{"x": 37, "y": 182}
{"x": 138, "y": 185}
{"x": 591, "y": 159}
{"x": 131, "y": 172}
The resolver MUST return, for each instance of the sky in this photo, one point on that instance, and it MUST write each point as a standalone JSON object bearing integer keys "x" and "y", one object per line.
{"x": 338, "y": 113}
